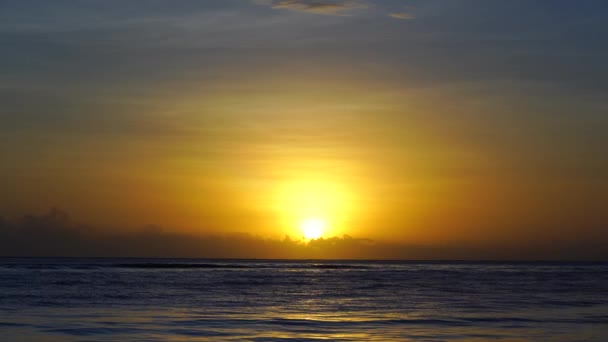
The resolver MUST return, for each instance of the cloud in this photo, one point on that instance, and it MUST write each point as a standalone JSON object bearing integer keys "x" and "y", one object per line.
{"x": 401, "y": 15}
{"x": 54, "y": 234}
{"x": 326, "y": 7}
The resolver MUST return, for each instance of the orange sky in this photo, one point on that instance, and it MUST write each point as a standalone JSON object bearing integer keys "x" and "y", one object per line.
{"x": 240, "y": 117}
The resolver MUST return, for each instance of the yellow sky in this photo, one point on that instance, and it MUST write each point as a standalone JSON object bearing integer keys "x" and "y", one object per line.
{"x": 371, "y": 160}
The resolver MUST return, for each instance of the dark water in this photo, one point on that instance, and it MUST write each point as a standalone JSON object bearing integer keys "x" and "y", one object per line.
{"x": 183, "y": 300}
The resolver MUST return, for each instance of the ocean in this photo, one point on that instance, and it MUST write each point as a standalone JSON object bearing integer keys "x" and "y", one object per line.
{"x": 52, "y": 299}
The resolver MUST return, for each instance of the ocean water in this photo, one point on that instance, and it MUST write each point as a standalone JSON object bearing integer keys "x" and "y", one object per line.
{"x": 240, "y": 300}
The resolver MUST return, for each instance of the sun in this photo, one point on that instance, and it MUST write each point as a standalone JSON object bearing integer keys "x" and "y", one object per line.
{"x": 312, "y": 208}
{"x": 313, "y": 228}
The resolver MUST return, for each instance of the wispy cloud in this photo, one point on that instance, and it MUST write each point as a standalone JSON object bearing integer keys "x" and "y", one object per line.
{"x": 327, "y": 7}
{"x": 401, "y": 15}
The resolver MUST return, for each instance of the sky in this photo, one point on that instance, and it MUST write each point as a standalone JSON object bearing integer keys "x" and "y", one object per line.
{"x": 401, "y": 129}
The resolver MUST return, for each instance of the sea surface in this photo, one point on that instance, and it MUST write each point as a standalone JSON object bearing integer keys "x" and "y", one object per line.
{"x": 257, "y": 300}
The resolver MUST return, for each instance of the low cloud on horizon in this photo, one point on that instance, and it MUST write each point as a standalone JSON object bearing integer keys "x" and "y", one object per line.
{"x": 53, "y": 234}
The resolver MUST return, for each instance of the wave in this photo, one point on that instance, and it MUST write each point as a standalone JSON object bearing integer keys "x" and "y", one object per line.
{"x": 187, "y": 265}
{"x": 181, "y": 265}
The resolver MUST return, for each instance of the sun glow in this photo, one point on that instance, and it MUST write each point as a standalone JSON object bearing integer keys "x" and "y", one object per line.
{"x": 312, "y": 209}
{"x": 313, "y": 228}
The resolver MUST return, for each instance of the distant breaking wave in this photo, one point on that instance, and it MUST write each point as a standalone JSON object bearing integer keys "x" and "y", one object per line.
{"x": 191, "y": 265}
{"x": 154, "y": 265}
